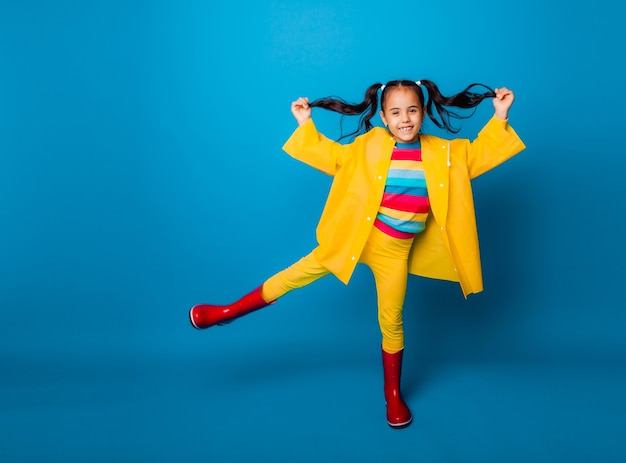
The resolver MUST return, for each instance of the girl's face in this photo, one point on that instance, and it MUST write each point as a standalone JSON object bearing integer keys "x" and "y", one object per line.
{"x": 403, "y": 114}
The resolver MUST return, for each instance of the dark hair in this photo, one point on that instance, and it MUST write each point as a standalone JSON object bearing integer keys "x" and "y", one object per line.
{"x": 436, "y": 105}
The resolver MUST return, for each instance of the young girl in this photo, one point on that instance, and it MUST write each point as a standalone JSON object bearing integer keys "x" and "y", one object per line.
{"x": 400, "y": 202}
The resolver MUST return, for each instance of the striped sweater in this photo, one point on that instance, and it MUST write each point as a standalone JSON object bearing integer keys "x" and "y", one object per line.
{"x": 405, "y": 205}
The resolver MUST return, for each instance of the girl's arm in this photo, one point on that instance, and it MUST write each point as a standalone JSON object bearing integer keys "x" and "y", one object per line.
{"x": 311, "y": 147}
{"x": 497, "y": 141}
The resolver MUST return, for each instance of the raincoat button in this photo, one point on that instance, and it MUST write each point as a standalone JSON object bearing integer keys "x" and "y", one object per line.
{"x": 353, "y": 258}
{"x": 441, "y": 185}
{"x": 443, "y": 147}
{"x": 369, "y": 218}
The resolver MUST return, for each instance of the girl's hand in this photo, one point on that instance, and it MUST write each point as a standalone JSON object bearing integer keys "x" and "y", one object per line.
{"x": 301, "y": 110}
{"x": 502, "y": 102}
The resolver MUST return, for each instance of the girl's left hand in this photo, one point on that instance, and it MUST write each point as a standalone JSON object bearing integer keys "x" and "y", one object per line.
{"x": 502, "y": 102}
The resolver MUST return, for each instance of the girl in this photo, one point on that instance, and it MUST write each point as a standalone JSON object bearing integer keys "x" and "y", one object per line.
{"x": 400, "y": 202}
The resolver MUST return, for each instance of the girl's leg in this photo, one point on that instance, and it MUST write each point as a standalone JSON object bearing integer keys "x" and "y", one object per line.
{"x": 300, "y": 274}
{"x": 387, "y": 258}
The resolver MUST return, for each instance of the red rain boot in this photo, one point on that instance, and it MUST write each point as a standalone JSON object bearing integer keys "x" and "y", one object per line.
{"x": 204, "y": 315}
{"x": 398, "y": 414}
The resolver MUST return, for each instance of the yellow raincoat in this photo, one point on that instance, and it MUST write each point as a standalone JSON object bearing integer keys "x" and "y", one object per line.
{"x": 448, "y": 248}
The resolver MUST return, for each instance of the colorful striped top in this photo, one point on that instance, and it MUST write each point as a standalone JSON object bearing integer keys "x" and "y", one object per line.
{"x": 405, "y": 205}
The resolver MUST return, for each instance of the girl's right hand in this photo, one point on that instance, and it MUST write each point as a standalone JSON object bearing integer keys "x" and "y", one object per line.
{"x": 301, "y": 110}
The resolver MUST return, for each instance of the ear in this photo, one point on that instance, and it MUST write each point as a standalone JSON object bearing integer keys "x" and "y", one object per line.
{"x": 382, "y": 116}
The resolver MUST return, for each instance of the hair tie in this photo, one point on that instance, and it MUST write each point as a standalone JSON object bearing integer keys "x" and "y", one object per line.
{"x": 418, "y": 83}
{"x": 382, "y": 87}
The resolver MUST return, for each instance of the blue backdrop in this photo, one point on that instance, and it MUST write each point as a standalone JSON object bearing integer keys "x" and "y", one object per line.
{"x": 141, "y": 172}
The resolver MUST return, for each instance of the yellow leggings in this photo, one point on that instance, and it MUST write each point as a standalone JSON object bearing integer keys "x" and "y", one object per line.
{"x": 386, "y": 256}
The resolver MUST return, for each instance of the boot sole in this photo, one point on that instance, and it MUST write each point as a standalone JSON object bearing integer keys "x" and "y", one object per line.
{"x": 400, "y": 425}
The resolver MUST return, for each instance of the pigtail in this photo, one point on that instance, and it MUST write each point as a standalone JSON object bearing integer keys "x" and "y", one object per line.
{"x": 467, "y": 99}
{"x": 366, "y": 109}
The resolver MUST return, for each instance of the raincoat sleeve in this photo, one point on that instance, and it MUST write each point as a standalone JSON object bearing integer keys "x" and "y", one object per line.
{"x": 306, "y": 144}
{"x": 496, "y": 143}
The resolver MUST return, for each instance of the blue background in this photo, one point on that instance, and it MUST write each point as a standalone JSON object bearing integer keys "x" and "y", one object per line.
{"x": 141, "y": 172}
